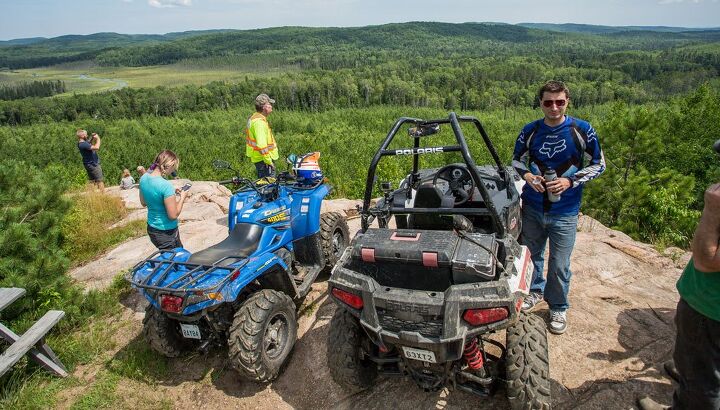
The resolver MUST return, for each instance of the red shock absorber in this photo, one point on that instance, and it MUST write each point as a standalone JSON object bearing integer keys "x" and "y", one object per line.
{"x": 472, "y": 355}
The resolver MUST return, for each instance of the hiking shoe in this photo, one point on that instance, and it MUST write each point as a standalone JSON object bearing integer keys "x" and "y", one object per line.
{"x": 647, "y": 403}
{"x": 531, "y": 301}
{"x": 558, "y": 322}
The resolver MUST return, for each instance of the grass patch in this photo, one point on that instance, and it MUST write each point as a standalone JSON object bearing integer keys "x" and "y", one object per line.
{"x": 137, "y": 361}
{"x": 101, "y": 394}
{"x": 85, "y": 78}
{"x": 87, "y": 230}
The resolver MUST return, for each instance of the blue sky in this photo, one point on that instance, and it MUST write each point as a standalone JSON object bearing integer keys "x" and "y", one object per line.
{"x": 50, "y": 18}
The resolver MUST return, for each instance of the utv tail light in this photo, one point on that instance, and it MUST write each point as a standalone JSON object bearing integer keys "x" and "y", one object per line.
{"x": 350, "y": 299}
{"x": 170, "y": 303}
{"x": 477, "y": 317}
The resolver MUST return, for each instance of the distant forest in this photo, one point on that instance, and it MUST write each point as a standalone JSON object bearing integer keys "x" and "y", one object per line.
{"x": 44, "y": 88}
{"x": 437, "y": 65}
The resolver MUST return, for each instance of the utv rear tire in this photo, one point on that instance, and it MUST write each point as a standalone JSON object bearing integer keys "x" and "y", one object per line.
{"x": 343, "y": 352}
{"x": 334, "y": 237}
{"x": 163, "y": 333}
{"x": 527, "y": 364}
{"x": 262, "y": 335}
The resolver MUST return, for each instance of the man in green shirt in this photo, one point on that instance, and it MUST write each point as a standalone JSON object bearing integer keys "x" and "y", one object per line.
{"x": 260, "y": 143}
{"x": 697, "y": 343}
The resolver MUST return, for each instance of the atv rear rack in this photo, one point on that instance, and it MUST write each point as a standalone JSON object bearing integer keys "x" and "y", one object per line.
{"x": 193, "y": 269}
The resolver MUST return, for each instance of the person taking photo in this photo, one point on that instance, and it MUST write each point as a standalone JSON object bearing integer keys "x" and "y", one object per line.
{"x": 163, "y": 201}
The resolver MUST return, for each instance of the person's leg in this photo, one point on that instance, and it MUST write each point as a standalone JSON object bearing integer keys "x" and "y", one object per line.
{"x": 562, "y": 231}
{"x": 262, "y": 169}
{"x": 177, "y": 243}
{"x": 534, "y": 236}
{"x": 697, "y": 358}
{"x": 99, "y": 177}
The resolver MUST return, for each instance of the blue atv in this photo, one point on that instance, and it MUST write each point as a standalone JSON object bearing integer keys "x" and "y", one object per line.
{"x": 244, "y": 291}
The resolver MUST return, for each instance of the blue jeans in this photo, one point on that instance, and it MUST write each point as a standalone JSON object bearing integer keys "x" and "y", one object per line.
{"x": 537, "y": 228}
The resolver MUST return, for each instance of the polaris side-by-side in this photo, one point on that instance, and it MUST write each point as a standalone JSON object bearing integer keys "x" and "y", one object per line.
{"x": 244, "y": 290}
{"x": 427, "y": 299}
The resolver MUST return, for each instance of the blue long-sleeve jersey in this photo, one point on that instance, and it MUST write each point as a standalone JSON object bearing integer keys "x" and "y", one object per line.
{"x": 572, "y": 149}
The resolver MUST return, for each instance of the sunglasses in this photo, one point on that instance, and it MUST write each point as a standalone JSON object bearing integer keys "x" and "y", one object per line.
{"x": 549, "y": 103}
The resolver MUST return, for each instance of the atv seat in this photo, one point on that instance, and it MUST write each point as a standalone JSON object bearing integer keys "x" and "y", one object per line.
{"x": 430, "y": 196}
{"x": 241, "y": 243}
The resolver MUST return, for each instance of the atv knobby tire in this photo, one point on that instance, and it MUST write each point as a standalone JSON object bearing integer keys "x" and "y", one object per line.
{"x": 262, "y": 335}
{"x": 343, "y": 353}
{"x": 162, "y": 333}
{"x": 334, "y": 237}
{"x": 527, "y": 364}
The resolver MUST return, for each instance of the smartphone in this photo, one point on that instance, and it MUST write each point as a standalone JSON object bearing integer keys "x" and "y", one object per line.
{"x": 186, "y": 186}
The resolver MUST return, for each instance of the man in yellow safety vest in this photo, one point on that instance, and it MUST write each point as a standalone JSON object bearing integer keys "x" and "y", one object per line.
{"x": 260, "y": 142}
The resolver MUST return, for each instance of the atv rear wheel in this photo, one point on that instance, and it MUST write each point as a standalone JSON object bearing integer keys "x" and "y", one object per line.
{"x": 528, "y": 364}
{"x": 334, "y": 237}
{"x": 262, "y": 335}
{"x": 163, "y": 333}
{"x": 344, "y": 353}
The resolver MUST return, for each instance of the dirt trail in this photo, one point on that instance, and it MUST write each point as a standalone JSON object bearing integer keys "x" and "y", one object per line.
{"x": 620, "y": 332}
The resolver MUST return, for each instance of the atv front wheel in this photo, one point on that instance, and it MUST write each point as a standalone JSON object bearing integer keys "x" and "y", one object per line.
{"x": 335, "y": 236}
{"x": 528, "y": 364}
{"x": 262, "y": 335}
{"x": 162, "y": 333}
{"x": 344, "y": 353}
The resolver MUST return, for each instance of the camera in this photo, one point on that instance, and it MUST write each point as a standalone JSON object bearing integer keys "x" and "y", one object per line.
{"x": 186, "y": 186}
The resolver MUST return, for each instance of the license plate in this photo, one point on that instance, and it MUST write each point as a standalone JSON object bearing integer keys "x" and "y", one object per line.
{"x": 190, "y": 331}
{"x": 419, "y": 354}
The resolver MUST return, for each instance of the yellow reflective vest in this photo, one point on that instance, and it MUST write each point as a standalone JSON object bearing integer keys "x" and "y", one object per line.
{"x": 259, "y": 139}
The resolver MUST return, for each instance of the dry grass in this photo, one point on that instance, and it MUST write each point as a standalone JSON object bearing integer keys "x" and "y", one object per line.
{"x": 87, "y": 229}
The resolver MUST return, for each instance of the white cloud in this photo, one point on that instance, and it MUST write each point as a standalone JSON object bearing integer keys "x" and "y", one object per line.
{"x": 169, "y": 3}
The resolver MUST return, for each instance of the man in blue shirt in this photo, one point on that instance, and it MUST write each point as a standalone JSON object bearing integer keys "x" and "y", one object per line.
{"x": 570, "y": 147}
{"x": 90, "y": 158}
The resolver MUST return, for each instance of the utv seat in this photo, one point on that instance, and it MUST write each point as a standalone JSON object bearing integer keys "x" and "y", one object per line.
{"x": 429, "y": 196}
{"x": 241, "y": 243}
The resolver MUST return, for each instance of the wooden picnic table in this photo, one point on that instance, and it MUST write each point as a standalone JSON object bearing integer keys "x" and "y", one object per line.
{"x": 31, "y": 342}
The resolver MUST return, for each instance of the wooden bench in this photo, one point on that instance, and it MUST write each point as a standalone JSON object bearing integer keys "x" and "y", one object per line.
{"x": 31, "y": 342}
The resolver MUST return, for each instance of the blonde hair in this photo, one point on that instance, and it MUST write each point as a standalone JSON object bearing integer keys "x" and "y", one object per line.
{"x": 126, "y": 172}
{"x": 166, "y": 161}
{"x": 81, "y": 132}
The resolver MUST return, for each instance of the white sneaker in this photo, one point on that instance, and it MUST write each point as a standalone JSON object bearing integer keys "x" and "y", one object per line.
{"x": 531, "y": 301}
{"x": 558, "y": 322}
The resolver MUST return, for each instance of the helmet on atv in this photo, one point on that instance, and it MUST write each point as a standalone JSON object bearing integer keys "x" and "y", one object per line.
{"x": 307, "y": 169}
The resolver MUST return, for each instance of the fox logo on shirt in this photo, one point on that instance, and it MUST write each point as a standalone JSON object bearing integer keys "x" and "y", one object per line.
{"x": 552, "y": 148}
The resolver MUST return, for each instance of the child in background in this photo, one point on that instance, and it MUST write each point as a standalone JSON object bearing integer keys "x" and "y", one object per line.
{"x": 127, "y": 180}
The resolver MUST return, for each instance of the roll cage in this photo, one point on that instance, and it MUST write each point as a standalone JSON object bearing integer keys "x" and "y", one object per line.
{"x": 425, "y": 128}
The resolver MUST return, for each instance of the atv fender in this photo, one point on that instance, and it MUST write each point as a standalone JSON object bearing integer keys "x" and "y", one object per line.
{"x": 269, "y": 269}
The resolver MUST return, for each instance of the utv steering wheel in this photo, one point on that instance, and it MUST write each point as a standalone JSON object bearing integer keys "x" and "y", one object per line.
{"x": 459, "y": 180}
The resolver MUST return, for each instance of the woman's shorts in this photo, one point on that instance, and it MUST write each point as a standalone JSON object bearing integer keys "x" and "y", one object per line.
{"x": 164, "y": 240}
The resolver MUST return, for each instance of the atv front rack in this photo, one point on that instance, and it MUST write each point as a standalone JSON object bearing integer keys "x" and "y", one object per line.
{"x": 193, "y": 268}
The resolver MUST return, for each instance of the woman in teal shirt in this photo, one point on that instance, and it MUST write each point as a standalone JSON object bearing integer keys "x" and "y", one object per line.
{"x": 163, "y": 202}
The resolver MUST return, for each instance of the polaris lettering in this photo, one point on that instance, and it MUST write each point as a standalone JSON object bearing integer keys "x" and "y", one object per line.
{"x": 431, "y": 150}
